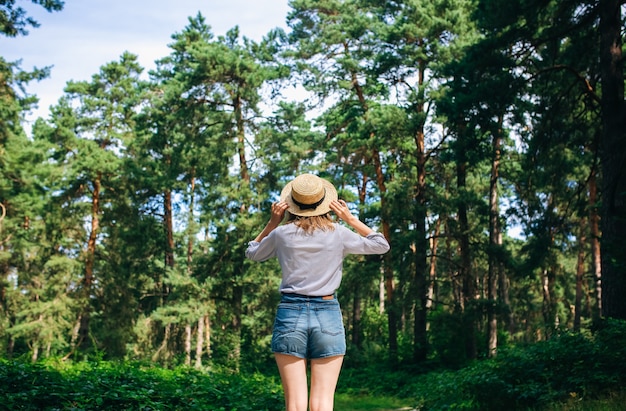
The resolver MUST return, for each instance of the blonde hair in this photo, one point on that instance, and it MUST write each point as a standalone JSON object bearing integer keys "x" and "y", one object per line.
{"x": 309, "y": 224}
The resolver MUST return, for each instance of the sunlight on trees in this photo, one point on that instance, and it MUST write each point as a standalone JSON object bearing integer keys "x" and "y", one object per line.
{"x": 446, "y": 125}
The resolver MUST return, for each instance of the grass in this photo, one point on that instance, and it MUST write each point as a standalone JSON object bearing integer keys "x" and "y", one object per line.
{"x": 346, "y": 402}
{"x": 351, "y": 402}
{"x": 613, "y": 402}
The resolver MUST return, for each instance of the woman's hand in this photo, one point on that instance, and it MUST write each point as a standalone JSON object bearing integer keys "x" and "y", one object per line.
{"x": 278, "y": 212}
{"x": 343, "y": 212}
{"x": 341, "y": 209}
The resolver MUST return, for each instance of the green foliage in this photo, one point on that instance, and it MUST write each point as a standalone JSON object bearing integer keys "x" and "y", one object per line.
{"x": 15, "y": 21}
{"x": 447, "y": 339}
{"x": 128, "y": 210}
{"x": 568, "y": 369}
{"x": 611, "y": 401}
{"x": 368, "y": 402}
{"x": 567, "y": 366}
{"x": 112, "y": 386}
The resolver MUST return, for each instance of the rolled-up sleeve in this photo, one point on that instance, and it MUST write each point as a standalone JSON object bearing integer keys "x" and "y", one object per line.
{"x": 373, "y": 243}
{"x": 263, "y": 250}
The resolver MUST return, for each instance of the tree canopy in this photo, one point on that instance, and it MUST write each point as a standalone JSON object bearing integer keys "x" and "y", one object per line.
{"x": 485, "y": 142}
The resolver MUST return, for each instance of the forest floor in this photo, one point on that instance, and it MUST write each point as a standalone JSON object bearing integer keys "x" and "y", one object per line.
{"x": 346, "y": 402}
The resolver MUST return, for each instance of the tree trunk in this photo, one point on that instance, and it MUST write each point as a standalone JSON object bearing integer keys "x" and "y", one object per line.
{"x": 550, "y": 319}
{"x": 391, "y": 305}
{"x": 4, "y": 275}
{"x": 505, "y": 302}
{"x": 168, "y": 222}
{"x": 237, "y": 306}
{"x": 74, "y": 338}
{"x": 168, "y": 227}
{"x": 10, "y": 347}
{"x": 420, "y": 283}
{"x": 381, "y": 293}
{"x": 356, "y": 317}
{"x": 420, "y": 349}
{"x": 191, "y": 232}
{"x": 199, "y": 342}
{"x": 237, "y": 302}
{"x": 613, "y": 153}
{"x": 356, "y": 301}
{"x": 241, "y": 140}
{"x": 465, "y": 267}
{"x": 163, "y": 351}
{"x": 580, "y": 272}
{"x": 187, "y": 345}
{"x": 35, "y": 354}
{"x": 594, "y": 228}
{"x": 494, "y": 246}
{"x": 90, "y": 256}
{"x": 432, "y": 274}
{"x": 207, "y": 334}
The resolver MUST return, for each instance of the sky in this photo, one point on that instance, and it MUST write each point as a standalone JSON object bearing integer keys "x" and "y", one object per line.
{"x": 87, "y": 34}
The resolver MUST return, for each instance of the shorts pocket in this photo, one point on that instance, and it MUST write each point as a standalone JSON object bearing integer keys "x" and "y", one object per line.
{"x": 287, "y": 317}
{"x": 330, "y": 319}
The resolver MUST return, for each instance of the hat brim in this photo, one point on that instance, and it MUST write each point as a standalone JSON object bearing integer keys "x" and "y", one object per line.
{"x": 323, "y": 208}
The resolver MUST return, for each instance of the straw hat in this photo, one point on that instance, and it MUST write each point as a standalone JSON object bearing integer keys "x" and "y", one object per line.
{"x": 308, "y": 195}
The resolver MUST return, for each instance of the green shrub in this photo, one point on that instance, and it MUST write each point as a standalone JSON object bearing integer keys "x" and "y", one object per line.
{"x": 571, "y": 365}
{"x": 111, "y": 386}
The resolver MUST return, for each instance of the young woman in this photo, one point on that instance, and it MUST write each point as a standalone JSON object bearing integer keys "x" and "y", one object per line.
{"x": 310, "y": 248}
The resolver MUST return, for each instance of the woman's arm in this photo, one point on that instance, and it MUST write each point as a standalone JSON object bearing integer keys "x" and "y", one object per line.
{"x": 278, "y": 213}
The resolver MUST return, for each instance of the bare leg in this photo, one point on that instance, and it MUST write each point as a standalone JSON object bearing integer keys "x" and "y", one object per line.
{"x": 324, "y": 376}
{"x": 293, "y": 376}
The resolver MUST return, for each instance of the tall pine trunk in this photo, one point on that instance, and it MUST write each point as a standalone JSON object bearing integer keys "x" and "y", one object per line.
{"x": 188, "y": 345}
{"x": 594, "y": 228}
{"x": 432, "y": 271}
{"x": 237, "y": 296}
{"x": 548, "y": 274}
{"x": 199, "y": 342}
{"x": 168, "y": 225}
{"x": 4, "y": 275}
{"x": 465, "y": 266}
{"x": 466, "y": 276}
{"x": 356, "y": 299}
{"x": 494, "y": 244}
{"x": 580, "y": 272}
{"x": 420, "y": 280}
{"x": 391, "y": 303}
{"x": 191, "y": 234}
{"x": 90, "y": 256}
{"x": 420, "y": 283}
{"x": 613, "y": 155}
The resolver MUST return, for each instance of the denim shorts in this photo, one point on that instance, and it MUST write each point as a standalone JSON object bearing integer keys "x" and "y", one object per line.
{"x": 308, "y": 327}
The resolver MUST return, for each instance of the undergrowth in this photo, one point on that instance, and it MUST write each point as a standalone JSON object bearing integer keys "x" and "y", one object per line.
{"x": 124, "y": 386}
{"x": 568, "y": 369}
{"x": 566, "y": 373}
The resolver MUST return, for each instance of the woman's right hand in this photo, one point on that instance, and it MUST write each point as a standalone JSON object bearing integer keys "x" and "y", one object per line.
{"x": 341, "y": 209}
{"x": 278, "y": 212}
